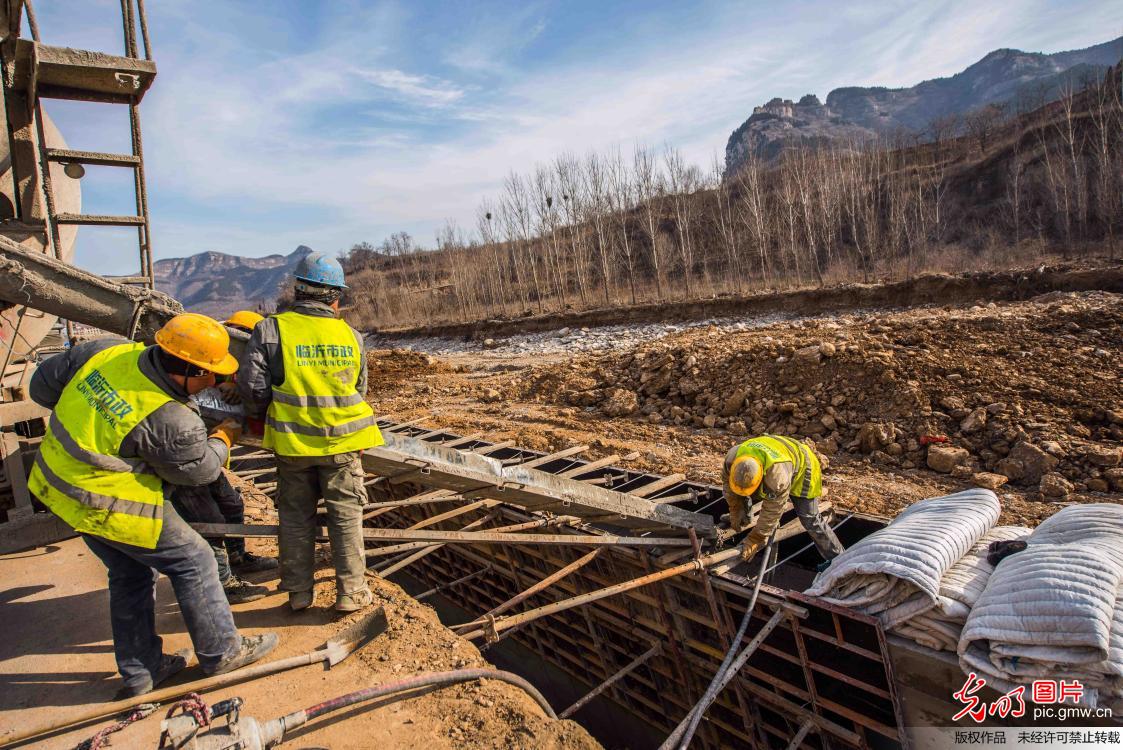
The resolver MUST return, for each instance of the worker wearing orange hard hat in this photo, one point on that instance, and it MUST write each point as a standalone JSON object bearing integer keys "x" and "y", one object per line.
{"x": 122, "y": 435}
{"x": 772, "y": 470}
{"x": 221, "y": 502}
{"x": 244, "y": 320}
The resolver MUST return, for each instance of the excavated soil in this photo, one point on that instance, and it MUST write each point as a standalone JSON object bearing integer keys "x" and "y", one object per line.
{"x": 1025, "y": 397}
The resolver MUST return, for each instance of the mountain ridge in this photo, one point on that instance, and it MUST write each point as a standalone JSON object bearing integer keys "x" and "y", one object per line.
{"x": 858, "y": 113}
{"x": 216, "y": 283}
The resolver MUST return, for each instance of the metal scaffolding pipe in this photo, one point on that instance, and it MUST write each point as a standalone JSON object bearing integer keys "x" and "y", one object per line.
{"x": 445, "y": 586}
{"x": 624, "y": 671}
{"x": 492, "y": 629}
{"x": 545, "y": 583}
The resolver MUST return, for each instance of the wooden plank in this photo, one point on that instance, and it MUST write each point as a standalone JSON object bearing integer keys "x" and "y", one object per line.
{"x": 659, "y": 484}
{"x": 21, "y": 411}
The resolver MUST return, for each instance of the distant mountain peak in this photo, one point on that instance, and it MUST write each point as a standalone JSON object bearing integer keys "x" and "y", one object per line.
{"x": 858, "y": 113}
{"x": 216, "y": 283}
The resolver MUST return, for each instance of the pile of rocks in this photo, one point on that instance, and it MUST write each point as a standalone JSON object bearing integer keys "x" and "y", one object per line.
{"x": 1026, "y": 393}
{"x": 602, "y": 339}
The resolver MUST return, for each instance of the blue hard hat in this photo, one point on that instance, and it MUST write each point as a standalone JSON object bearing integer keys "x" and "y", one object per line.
{"x": 317, "y": 268}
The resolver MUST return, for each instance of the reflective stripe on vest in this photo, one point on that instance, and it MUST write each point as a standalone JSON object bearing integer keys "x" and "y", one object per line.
{"x": 79, "y": 473}
{"x": 318, "y": 410}
{"x": 807, "y": 475}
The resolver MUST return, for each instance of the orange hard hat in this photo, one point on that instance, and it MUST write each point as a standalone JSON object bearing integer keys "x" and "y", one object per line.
{"x": 745, "y": 475}
{"x": 244, "y": 319}
{"x": 200, "y": 340}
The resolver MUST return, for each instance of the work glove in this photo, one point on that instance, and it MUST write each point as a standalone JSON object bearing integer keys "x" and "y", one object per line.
{"x": 229, "y": 392}
{"x": 228, "y": 431}
{"x": 754, "y": 543}
{"x": 736, "y": 505}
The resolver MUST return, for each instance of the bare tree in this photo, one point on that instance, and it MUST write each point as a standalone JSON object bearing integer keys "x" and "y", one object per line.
{"x": 621, "y": 200}
{"x": 722, "y": 192}
{"x": 983, "y": 122}
{"x": 682, "y": 181}
{"x": 596, "y": 213}
{"x": 649, "y": 189}
{"x": 567, "y": 171}
{"x": 753, "y": 210}
{"x": 546, "y": 211}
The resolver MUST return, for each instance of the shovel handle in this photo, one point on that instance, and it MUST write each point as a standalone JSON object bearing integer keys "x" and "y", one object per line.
{"x": 163, "y": 694}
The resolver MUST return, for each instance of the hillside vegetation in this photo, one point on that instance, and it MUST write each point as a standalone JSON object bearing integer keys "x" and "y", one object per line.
{"x": 614, "y": 229}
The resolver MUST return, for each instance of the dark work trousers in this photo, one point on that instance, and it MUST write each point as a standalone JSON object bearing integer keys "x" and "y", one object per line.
{"x": 217, "y": 502}
{"x": 807, "y": 509}
{"x": 189, "y": 564}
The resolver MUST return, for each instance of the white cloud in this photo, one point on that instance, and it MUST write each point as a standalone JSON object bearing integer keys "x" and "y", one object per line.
{"x": 255, "y": 153}
{"x": 425, "y": 90}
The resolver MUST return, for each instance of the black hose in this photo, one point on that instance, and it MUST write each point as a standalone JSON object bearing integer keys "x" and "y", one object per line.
{"x": 684, "y": 732}
{"x": 437, "y": 679}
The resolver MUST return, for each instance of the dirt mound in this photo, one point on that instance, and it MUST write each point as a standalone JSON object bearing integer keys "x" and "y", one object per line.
{"x": 1027, "y": 392}
{"x": 388, "y": 369}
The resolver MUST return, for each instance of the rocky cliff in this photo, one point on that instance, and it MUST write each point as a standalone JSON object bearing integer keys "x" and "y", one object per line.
{"x": 859, "y": 113}
{"x": 217, "y": 284}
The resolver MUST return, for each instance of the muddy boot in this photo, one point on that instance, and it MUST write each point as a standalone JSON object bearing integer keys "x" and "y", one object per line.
{"x": 238, "y": 591}
{"x": 248, "y": 562}
{"x": 253, "y": 648}
{"x": 299, "y": 600}
{"x": 354, "y": 601}
{"x": 170, "y": 665}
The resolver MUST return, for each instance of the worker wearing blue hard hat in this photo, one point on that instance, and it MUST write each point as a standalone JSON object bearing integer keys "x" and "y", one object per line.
{"x": 304, "y": 372}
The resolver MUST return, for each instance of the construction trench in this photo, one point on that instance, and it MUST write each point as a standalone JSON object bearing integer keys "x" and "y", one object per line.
{"x": 653, "y": 649}
{"x": 609, "y": 589}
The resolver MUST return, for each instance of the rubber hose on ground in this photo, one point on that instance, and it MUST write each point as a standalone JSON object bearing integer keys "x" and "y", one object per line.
{"x": 434, "y": 679}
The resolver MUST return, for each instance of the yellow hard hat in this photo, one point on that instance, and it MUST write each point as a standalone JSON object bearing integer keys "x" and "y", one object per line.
{"x": 745, "y": 475}
{"x": 200, "y": 340}
{"x": 244, "y": 319}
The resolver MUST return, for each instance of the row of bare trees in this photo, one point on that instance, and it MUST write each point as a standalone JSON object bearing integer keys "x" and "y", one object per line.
{"x": 624, "y": 228}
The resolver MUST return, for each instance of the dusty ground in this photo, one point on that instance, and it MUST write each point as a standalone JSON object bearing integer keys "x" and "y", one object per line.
{"x": 1027, "y": 394}
{"x": 56, "y": 658}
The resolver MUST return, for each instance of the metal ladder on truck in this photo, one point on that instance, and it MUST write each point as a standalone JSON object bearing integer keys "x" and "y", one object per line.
{"x": 34, "y": 71}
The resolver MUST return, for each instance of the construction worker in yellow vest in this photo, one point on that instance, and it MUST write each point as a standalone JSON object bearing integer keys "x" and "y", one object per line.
{"x": 122, "y": 437}
{"x": 221, "y": 502}
{"x": 304, "y": 372}
{"x": 772, "y": 470}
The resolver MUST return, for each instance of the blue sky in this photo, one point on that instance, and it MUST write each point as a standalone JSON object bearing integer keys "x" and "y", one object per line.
{"x": 325, "y": 123}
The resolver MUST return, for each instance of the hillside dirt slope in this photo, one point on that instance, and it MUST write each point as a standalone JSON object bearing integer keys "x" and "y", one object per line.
{"x": 1027, "y": 395}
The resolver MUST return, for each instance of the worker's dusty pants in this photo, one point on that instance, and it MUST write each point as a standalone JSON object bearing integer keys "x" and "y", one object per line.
{"x": 217, "y": 502}
{"x": 189, "y": 564}
{"x": 823, "y": 535}
{"x": 301, "y": 482}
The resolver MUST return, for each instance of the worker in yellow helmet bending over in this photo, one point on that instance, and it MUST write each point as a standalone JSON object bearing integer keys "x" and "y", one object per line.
{"x": 774, "y": 469}
{"x": 122, "y": 436}
{"x": 305, "y": 372}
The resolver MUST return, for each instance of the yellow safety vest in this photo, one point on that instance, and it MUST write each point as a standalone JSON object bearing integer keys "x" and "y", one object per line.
{"x": 318, "y": 410}
{"x": 79, "y": 472}
{"x": 807, "y": 476}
